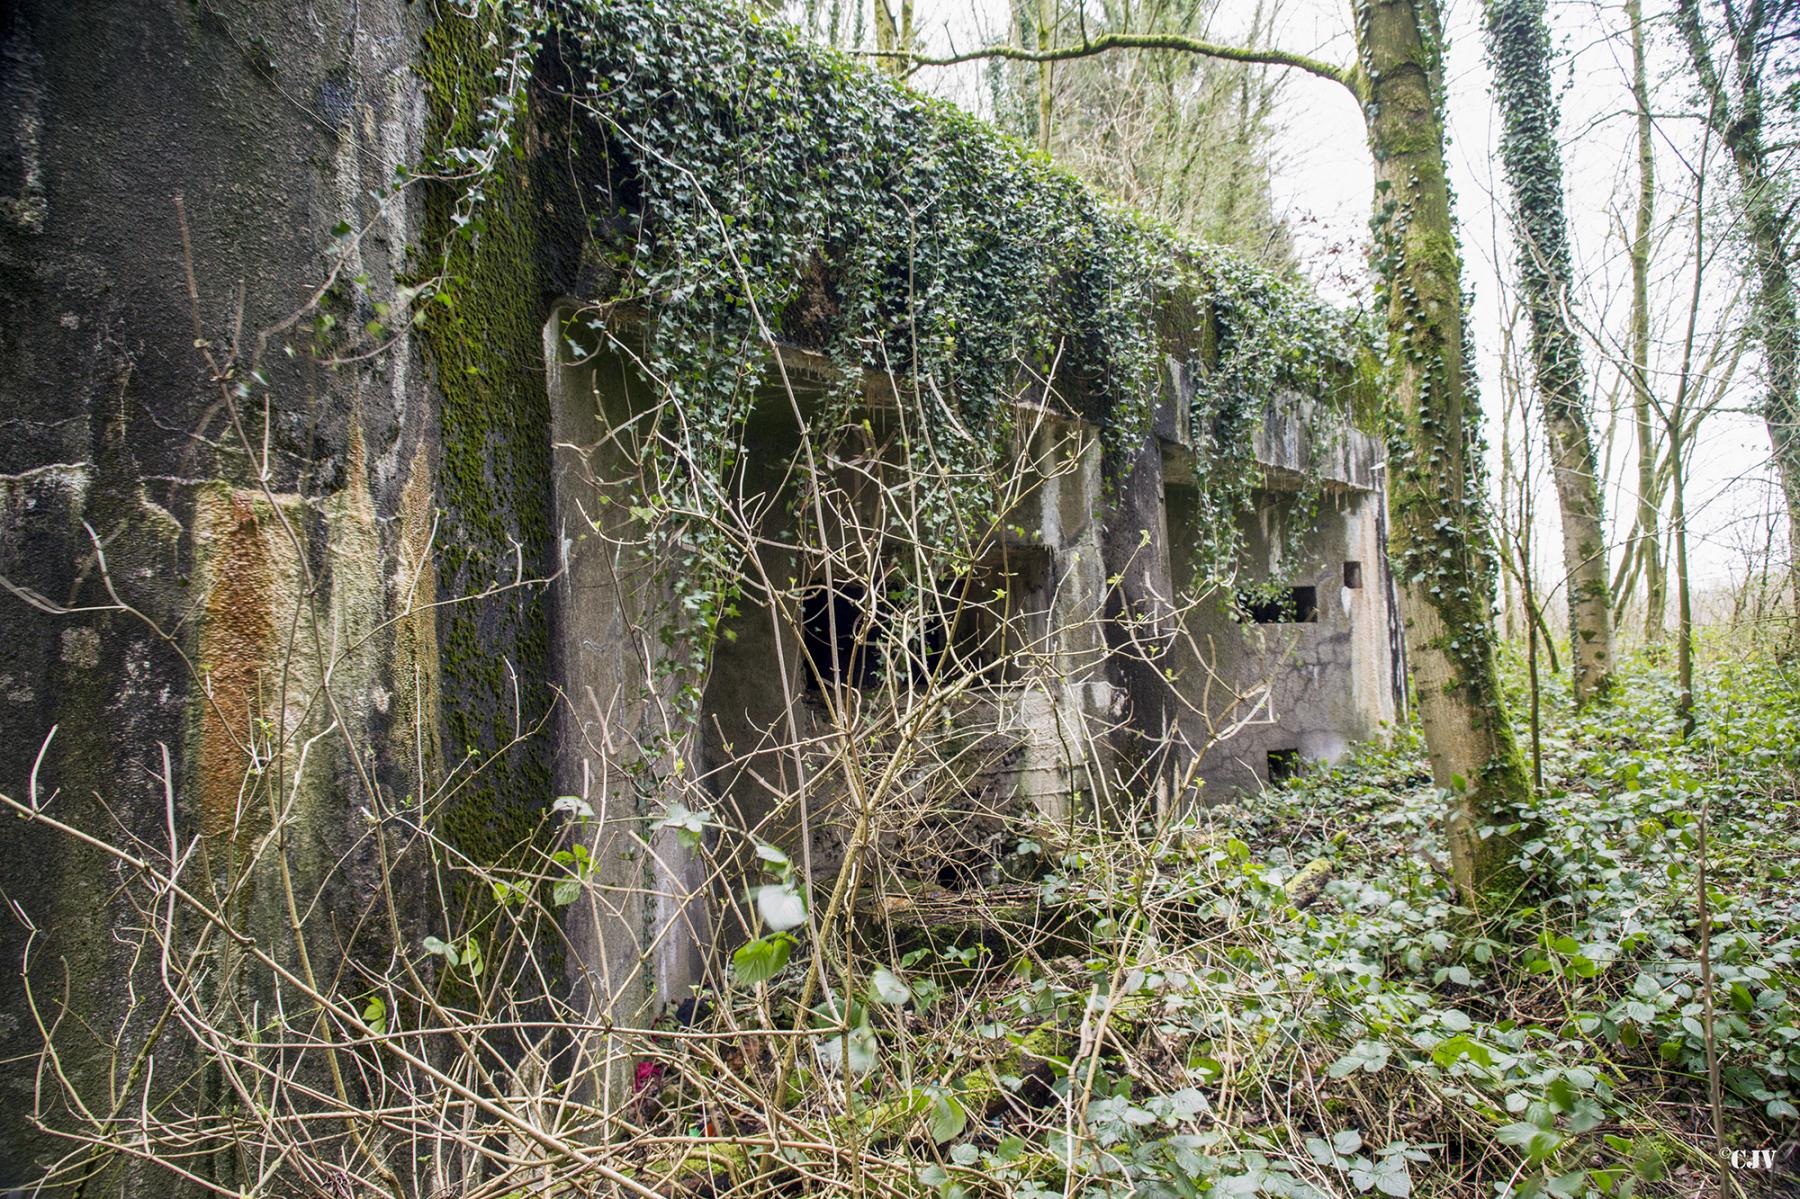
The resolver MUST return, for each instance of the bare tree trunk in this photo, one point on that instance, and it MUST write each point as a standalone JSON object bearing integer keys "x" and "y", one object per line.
{"x": 1646, "y": 542}
{"x": 1675, "y": 426}
{"x": 1516, "y": 522}
{"x": 1519, "y": 45}
{"x": 1684, "y": 604}
{"x": 1531, "y": 666}
{"x": 1535, "y": 627}
{"x": 1511, "y": 619}
{"x": 1440, "y": 542}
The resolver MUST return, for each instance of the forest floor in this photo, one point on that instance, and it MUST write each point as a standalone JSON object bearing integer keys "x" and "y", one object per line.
{"x": 1188, "y": 1012}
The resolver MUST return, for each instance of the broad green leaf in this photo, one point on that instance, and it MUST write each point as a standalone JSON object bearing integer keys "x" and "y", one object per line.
{"x": 946, "y": 1118}
{"x": 1392, "y": 1177}
{"x": 1535, "y": 1141}
{"x": 760, "y": 960}
{"x": 442, "y": 948}
{"x": 1450, "y": 1049}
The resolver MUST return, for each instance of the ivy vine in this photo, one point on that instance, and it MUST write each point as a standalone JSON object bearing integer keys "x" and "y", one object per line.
{"x": 757, "y": 187}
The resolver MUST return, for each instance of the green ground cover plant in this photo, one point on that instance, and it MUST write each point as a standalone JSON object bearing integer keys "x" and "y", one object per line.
{"x": 1184, "y": 1012}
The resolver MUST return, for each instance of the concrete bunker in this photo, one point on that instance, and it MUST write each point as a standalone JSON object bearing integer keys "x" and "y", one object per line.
{"x": 1002, "y": 649}
{"x": 1304, "y": 659}
{"x": 1012, "y": 653}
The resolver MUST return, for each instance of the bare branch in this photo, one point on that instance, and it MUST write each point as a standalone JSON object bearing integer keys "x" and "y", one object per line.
{"x": 1347, "y": 77}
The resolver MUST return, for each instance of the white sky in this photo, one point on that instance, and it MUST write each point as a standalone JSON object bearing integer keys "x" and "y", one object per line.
{"x": 1323, "y": 177}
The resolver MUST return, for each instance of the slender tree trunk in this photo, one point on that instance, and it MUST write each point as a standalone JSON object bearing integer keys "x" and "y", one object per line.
{"x": 1526, "y": 584}
{"x": 1647, "y": 538}
{"x": 1735, "y": 114}
{"x": 1439, "y": 535}
{"x": 1675, "y": 427}
{"x": 1684, "y": 603}
{"x": 1516, "y": 523}
{"x": 1046, "y": 30}
{"x": 1510, "y": 618}
{"x": 1531, "y": 666}
{"x": 1519, "y": 45}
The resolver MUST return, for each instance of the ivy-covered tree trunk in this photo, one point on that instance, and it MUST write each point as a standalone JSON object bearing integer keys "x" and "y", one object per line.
{"x": 1735, "y": 111}
{"x": 1519, "y": 46}
{"x": 1440, "y": 540}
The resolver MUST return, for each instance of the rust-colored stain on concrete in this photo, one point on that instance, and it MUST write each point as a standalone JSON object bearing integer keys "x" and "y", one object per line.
{"x": 234, "y": 650}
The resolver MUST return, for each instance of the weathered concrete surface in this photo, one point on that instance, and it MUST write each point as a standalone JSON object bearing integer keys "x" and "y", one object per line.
{"x": 1305, "y": 688}
{"x": 273, "y": 122}
{"x": 639, "y": 930}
